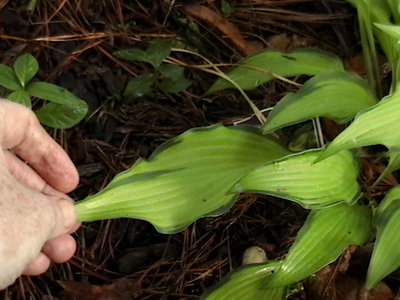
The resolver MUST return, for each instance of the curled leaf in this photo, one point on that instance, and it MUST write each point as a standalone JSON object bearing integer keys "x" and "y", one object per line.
{"x": 338, "y": 96}
{"x": 324, "y": 236}
{"x": 386, "y": 255}
{"x": 297, "y": 178}
{"x": 247, "y": 283}
{"x": 379, "y": 124}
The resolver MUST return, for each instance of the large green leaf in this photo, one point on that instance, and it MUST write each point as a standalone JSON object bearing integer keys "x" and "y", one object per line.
{"x": 261, "y": 67}
{"x": 8, "y": 79}
{"x": 386, "y": 255}
{"x": 26, "y": 67}
{"x": 324, "y": 236}
{"x": 187, "y": 178}
{"x": 297, "y": 178}
{"x": 379, "y": 124}
{"x": 334, "y": 95}
{"x": 247, "y": 283}
{"x": 61, "y": 115}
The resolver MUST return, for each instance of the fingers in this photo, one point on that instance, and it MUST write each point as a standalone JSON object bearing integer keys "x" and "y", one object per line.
{"x": 38, "y": 266}
{"x": 32, "y": 143}
{"x": 60, "y": 249}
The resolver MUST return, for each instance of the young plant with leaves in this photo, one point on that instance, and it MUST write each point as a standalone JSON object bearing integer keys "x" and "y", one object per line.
{"x": 201, "y": 172}
{"x": 168, "y": 78}
{"x": 63, "y": 109}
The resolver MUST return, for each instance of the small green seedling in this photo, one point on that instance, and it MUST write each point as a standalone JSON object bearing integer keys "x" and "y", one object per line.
{"x": 63, "y": 109}
{"x": 168, "y": 78}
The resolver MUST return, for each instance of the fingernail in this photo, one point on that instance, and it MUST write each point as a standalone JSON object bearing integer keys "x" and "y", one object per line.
{"x": 68, "y": 211}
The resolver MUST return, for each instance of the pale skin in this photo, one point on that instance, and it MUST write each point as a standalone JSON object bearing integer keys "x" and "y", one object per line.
{"x": 36, "y": 216}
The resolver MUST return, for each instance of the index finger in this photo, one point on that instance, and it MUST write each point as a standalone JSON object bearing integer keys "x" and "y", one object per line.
{"x": 21, "y": 131}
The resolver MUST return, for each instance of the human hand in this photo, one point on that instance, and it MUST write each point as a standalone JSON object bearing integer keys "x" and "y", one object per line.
{"x": 36, "y": 217}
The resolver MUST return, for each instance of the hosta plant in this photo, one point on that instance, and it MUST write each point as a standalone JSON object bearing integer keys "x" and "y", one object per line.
{"x": 201, "y": 172}
{"x": 62, "y": 110}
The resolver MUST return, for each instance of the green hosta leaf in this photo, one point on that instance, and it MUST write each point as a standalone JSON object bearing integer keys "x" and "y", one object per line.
{"x": 297, "y": 178}
{"x": 62, "y": 115}
{"x": 140, "y": 85}
{"x": 379, "y": 124}
{"x": 52, "y": 93}
{"x": 26, "y": 67}
{"x": 386, "y": 255}
{"x": 187, "y": 178}
{"x": 324, "y": 236}
{"x": 154, "y": 55}
{"x": 247, "y": 283}
{"x": 335, "y": 95}
{"x": 392, "y": 30}
{"x": 260, "y": 68}
{"x": 174, "y": 80}
{"x": 20, "y": 96}
{"x": 8, "y": 79}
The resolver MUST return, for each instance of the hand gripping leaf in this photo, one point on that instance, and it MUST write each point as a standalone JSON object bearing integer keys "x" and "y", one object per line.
{"x": 264, "y": 66}
{"x": 247, "y": 283}
{"x": 297, "y": 178}
{"x": 386, "y": 255}
{"x": 379, "y": 124}
{"x": 187, "y": 178}
{"x": 334, "y": 95}
{"x": 324, "y": 236}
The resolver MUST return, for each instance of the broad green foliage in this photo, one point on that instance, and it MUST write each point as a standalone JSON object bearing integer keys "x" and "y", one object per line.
{"x": 168, "y": 78}
{"x": 201, "y": 172}
{"x": 63, "y": 109}
{"x": 379, "y": 124}
{"x": 386, "y": 255}
{"x": 324, "y": 236}
{"x": 334, "y": 95}
{"x": 262, "y": 67}
{"x": 297, "y": 178}
{"x": 248, "y": 283}
{"x": 187, "y": 178}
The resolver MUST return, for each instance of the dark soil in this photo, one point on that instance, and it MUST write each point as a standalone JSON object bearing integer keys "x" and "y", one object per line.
{"x": 74, "y": 41}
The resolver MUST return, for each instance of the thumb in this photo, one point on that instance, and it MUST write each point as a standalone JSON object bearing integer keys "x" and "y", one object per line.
{"x": 66, "y": 220}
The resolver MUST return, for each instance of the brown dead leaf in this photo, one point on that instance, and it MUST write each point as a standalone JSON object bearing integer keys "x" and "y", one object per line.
{"x": 120, "y": 290}
{"x": 334, "y": 284}
{"x": 213, "y": 18}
